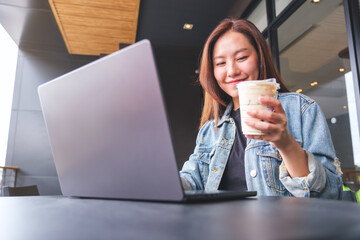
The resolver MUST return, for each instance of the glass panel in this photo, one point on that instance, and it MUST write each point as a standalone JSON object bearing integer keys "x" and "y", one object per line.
{"x": 314, "y": 59}
{"x": 8, "y": 61}
{"x": 259, "y": 16}
{"x": 280, "y": 5}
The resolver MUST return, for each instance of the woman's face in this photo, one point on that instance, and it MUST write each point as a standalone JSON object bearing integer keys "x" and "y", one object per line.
{"x": 235, "y": 60}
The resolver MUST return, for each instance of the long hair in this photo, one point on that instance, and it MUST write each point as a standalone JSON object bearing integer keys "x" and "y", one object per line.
{"x": 215, "y": 99}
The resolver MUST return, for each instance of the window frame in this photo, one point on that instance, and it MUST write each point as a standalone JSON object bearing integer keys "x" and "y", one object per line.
{"x": 352, "y": 21}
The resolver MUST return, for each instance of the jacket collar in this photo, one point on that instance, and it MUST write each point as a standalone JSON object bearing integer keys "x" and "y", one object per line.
{"x": 226, "y": 116}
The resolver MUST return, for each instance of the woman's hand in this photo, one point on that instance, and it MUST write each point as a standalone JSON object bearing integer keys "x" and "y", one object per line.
{"x": 274, "y": 123}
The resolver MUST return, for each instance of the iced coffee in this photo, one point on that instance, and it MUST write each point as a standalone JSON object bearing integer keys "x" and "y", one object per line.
{"x": 249, "y": 94}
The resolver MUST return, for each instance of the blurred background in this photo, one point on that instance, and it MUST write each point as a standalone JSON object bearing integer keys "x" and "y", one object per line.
{"x": 315, "y": 46}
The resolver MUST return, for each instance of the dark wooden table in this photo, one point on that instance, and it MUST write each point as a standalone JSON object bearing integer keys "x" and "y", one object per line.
{"x": 57, "y": 217}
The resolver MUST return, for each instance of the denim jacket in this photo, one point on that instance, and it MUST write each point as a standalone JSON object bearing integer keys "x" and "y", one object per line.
{"x": 265, "y": 171}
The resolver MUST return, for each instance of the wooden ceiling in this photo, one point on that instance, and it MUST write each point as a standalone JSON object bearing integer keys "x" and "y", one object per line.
{"x": 94, "y": 27}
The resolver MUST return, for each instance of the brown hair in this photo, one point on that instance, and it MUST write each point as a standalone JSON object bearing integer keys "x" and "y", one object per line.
{"x": 215, "y": 99}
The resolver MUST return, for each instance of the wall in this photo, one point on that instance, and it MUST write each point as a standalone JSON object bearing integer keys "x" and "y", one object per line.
{"x": 28, "y": 146}
{"x": 181, "y": 91}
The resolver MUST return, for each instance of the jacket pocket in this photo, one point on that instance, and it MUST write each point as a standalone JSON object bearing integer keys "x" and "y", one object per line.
{"x": 270, "y": 162}
{"x": 203, "y": 160}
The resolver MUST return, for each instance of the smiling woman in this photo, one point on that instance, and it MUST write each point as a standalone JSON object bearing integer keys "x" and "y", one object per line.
{"x": 8, "y": 60}
{"x": 292, "y": 156}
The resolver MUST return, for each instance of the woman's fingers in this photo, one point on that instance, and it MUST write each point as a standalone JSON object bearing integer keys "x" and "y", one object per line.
{"x": 265, "y": 115}
{"x": 273, "y": 103}
{"x": 277, "y": 115}
{"x": 260, "y": 125}
{"x": 273, "y": 123}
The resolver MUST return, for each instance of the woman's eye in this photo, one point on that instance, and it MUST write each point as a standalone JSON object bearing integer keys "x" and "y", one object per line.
{"x": 220, "y": 63}
{"x": 242, "y": 58}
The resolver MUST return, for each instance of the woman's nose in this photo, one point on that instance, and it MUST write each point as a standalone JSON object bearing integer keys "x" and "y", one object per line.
{"x": 233, "y": 70}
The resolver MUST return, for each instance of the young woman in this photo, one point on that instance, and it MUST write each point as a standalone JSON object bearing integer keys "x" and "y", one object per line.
{"x": 295, "y": 158}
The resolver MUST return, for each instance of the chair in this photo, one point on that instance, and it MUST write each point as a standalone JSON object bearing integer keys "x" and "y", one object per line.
{"x": 21, "y": 191}
{"x": 8, "y": 176}
{"x": 350, "y": 193}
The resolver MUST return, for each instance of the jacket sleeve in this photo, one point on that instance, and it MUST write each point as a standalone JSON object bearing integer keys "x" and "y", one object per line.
{"x": 324, "y": 179}
{"x": 190, "y": 172}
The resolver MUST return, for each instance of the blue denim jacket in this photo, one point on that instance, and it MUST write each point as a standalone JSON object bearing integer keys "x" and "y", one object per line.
{"x": 264, "y": 169}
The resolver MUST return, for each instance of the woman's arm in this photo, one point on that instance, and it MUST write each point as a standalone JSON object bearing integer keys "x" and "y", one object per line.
{"x": 324, "y": 177}
{"x": 275, "y": 124}
{"x": 190, "y": 173}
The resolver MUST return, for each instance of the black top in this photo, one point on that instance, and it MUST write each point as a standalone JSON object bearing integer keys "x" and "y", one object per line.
{"x": 234, "y": 173}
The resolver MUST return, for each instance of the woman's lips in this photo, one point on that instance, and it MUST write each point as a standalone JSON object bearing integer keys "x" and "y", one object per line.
{"x": 236, "y": 81}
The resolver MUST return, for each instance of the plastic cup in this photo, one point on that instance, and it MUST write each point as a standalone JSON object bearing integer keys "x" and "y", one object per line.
{"x": 249, "y": 93}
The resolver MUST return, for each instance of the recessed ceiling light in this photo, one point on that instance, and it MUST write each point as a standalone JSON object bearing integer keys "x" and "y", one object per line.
{"x": 188, "y": 26}
{"x": 341, "y": 69}
{"x": 313, "y": 84}
{"x": 299, "y": 90}
{"x": 315, "y": 1}
{"x": 345, "y": 107}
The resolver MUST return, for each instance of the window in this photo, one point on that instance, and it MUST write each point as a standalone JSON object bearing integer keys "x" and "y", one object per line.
{"x": 280, "y": 5}
{"x": 258, "y": 16}
{"x": 314, "y": 59}
{"x": 8, "y": 61}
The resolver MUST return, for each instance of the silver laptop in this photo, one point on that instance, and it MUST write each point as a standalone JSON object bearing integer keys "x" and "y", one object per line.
{"x": 109, "y": 132}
